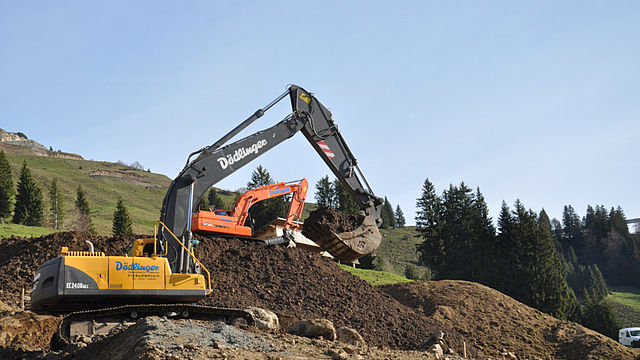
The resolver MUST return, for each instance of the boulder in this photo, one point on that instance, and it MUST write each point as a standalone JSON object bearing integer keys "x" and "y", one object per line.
{"x": 350, "y": 336}
{"x": 317, "y": 328}
{"x": 264, "y": 319}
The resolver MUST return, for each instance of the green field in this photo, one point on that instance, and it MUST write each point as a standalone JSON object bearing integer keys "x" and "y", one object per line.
{"x": 626, "y": 295}
{"x": 374, "y": 277}
{"x": 8, "y": 230}
{"x": 625, "y": 301}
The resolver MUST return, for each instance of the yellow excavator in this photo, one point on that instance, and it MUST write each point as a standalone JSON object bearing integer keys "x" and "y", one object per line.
{"x": 161, "y": 275}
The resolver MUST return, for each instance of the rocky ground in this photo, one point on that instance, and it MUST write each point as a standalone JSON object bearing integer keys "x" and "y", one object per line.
{"x": 393, "y": 320}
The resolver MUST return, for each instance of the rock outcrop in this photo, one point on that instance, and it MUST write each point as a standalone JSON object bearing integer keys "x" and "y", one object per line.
{"x": 22, "y": 141}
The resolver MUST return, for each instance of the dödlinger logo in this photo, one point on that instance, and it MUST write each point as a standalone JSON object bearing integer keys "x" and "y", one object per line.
{"x": 241, "y": 153}
{"x": 136, "y": 267}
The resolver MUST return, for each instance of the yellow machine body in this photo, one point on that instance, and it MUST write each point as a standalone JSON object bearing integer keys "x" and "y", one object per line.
{"x": 85, "y": 279}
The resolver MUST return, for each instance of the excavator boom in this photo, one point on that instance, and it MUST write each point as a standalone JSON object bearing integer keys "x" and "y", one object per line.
{"x": 218, "y": 161}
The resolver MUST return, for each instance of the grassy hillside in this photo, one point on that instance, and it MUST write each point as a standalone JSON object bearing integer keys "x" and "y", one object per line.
{"x": 374, "y": 277}
{"x": 103, "y": 182}
{"x": 8, "y": 230}
{"x": 398, "y": 250}
{"x": 626, "y": 304}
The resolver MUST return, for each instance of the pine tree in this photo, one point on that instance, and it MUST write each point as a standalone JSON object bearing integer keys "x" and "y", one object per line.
{"x": 399, "y": 215}
{"x": 572, "y": 229}
{"x": 343, "y": 200}
{"x": 56, "y": 207}
{"x": 428, "y": 224}
{"x": 505, "y": 251}
{"x": 599, "y": 316}
{"x": 265, "y": 211}
{"x": 203, "y": 204}
{"x": 28, "y": 208}
{"x": 122, "y": 224}
{"x": 619, "y": 222}
{"x": 81, "y": 201}
{"x": 6, "y": 187}
{"x": 82, "y": 212}
{"x": 215, "y": 201}
{"x": 386, "y": 213}
{"x": 324, "y": 192}
{"x": 536, "y": 275}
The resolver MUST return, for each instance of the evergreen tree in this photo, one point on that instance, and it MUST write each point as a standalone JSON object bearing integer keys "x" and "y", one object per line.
{"x": 203, "y": 203}
{"x": 572, "y": 229}
{"x": 386, "y": 213}
{"x": 82, "y": 212}
{"x": 343, "y": 200}
{"x": 411, "y": 272}
{"x": 457, "y": 232}
{"x": 532, "y": 269}
{"x": 505, "y": 253}
{"x": 265, "y": 211}
{"x": 556, "y": 232}
{"x": 122, "y": 224}
{"x": 399, "y": 215}
{"x": 599, "y": 316}
{"x": 215, "y": 201}
{"x": 28, "y": 208}
{"x": 324, "y": 192}
{"x": 6, "y": 187}
{"x": 428, "y": 224}
{"x": 55, "y": 204}
{"x": 81, "y": 201}
{"x": 619, "y": 222}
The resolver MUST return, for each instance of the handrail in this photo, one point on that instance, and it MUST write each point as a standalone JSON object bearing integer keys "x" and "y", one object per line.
{"x": 155, "y": 226}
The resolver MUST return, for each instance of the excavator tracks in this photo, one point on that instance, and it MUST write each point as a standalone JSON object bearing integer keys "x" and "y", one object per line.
{"x": 116, "y": 315}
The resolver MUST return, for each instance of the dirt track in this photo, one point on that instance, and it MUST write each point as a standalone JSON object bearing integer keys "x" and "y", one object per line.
{"x": 299, "y": 285}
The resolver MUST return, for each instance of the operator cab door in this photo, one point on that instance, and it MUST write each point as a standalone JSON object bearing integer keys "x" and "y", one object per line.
{"x": 120, "y": 275}
{"x": 149, "y": 273}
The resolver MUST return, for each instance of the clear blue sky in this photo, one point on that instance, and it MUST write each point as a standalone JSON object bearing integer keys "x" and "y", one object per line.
{"x": 533, "y": 100}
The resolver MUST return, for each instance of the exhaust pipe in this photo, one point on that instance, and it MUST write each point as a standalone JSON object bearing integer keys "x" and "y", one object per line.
{"x": 90, "y": 245}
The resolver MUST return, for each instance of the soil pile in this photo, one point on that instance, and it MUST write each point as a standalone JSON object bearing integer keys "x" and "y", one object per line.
{"x": 333, "y": 220}
{"x": 25, "y": 333}
{"x": 299, "y": 285}
{"x": 492, "y": 322}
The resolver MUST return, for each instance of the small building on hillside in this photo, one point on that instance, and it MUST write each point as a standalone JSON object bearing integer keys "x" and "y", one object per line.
{"x": 634, "y": 225}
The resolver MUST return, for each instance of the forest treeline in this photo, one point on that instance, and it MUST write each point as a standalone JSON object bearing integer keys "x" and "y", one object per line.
{"x": 559, "y": 267}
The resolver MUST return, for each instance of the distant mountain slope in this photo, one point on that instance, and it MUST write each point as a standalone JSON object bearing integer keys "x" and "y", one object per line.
{"x": 103, "y": 183}
{"x": 19, "y": 143}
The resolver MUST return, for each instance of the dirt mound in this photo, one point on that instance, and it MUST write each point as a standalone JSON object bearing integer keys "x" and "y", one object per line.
{"x": 492, "y": 322}
{"x": 24, "y": 334}
{"x": 299, "y": 285}
{"x": 334, "y": 219}
{"x": 21, "y": 257}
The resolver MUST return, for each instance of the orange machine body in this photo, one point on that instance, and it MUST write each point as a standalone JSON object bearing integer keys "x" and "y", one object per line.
{"x": 231, "y": 222}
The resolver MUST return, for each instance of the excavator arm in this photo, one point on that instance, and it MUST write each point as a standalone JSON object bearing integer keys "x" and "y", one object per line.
{"x": 254, "y": 196}
{"x": 216, "y": 162}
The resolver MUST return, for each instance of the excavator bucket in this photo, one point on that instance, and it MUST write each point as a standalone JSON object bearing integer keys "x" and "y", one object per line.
{"x": 346, "y": 237}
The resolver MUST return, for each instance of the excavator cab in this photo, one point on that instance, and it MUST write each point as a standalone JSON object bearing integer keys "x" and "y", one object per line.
{"x": 143, "y": 247}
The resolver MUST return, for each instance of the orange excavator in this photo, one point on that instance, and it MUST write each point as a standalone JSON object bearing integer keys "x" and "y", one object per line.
{"x": 231, "y": 222}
